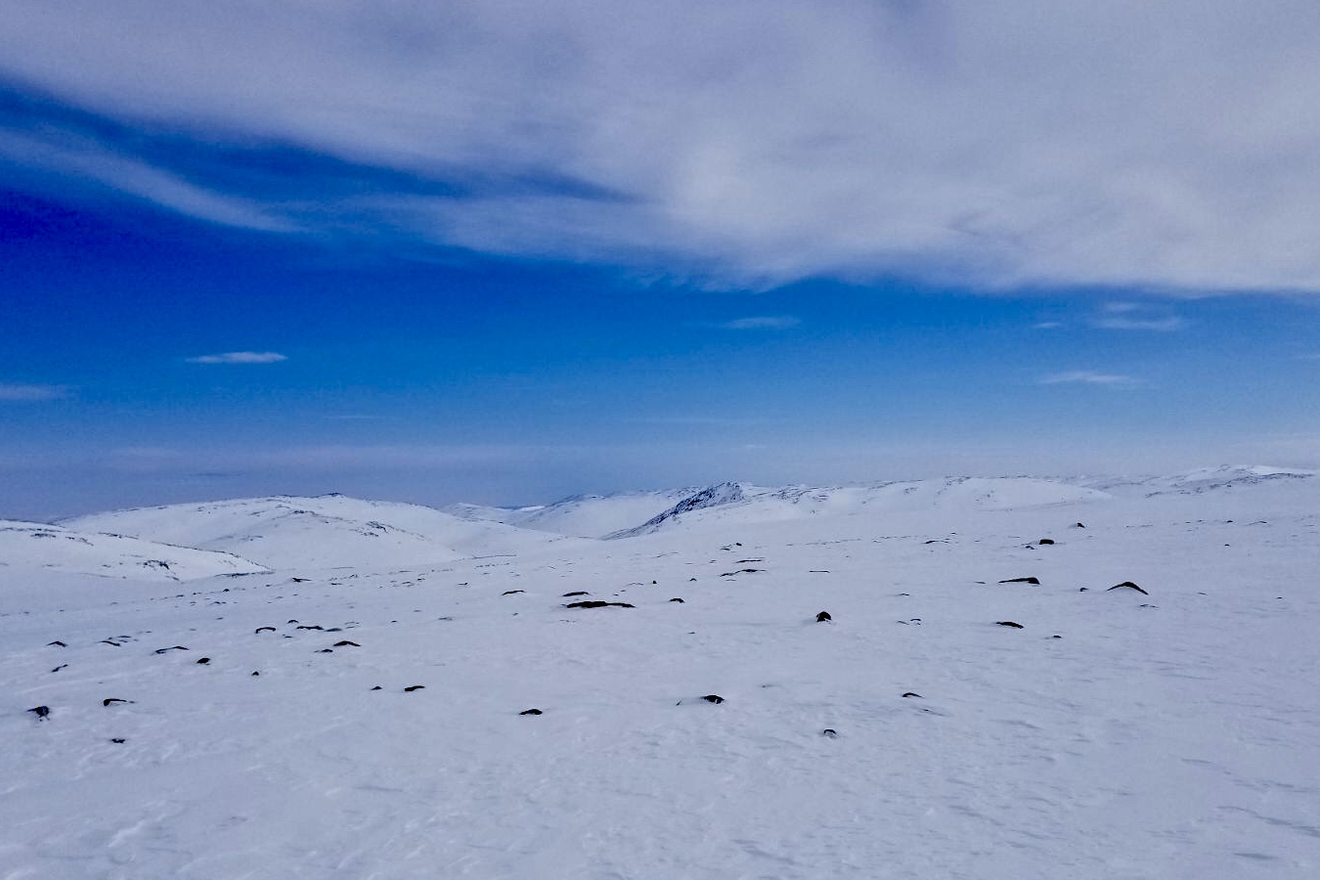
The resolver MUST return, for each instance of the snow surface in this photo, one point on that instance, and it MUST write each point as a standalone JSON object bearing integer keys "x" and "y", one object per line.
{"x": 1170, "y": 734}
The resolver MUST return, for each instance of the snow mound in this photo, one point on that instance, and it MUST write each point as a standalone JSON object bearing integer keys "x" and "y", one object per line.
{"x": 327, "y": 531}
{"x": 39, "y": 547}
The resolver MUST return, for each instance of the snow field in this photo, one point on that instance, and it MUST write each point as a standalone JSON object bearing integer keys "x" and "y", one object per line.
{"x": 1169, "y": 735}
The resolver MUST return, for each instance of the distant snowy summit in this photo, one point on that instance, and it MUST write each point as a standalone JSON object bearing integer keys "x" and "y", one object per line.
{"x": 1202, "y": 480}
{"x": 282, "y": 533}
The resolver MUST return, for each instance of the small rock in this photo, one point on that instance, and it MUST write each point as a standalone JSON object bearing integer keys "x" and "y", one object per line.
{"x": 511, "y": 592}
{"x": 914, "y": 694}
{"x": 1025, "y": 580}
{"x": 1128, "y": 585}
{"x": 576, "y": 593}
{"x": 41, "y": 711}
{"x": 56, "y": 644}
{"x": 347, "y": 644}
{"x": 830, "y": 732}
{"x": 823, "y": 617}
{"x": 531, "y": 712}
{"x": 204, "y": 660}
{"x": 676, "y": 599}
{"x": 415, "y": 687}
{"x": 118, "y": 739}
{"x": 262, "y": 629}
{"x": 713, "y": 698}
{"x": 1009, "y": 623}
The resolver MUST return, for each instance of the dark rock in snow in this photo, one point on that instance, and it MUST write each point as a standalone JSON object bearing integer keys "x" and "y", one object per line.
{"x": 1025, "y": 580}
{"x": 1044, "y": 541}
{"x": 676, "y": 599}
{"x": 713, "y": 698}
{"x": 262, "y": 629}
{"x": 576, "y": 593}
{"x": 530, "y": 712}
{"x": 172, "y": 648}
{"x": 1009, "y": 623}
{"x": 56, "y": 644}
{"x": 256, "y": 673}
{"x": 108, "y": 700}
{"x": 415, "y": 687}
{"x": 511, "y": 592}
{"x": 596, "y": 603}
{"x": 58, "y": 668}
{"x": 376, "y": 688}
{"x": 308, "y": 627}
{"x": 204, "y": 660}
{"x": 914, "y": 694}
{"x": 1130, "y": 586}
{"x": 41, "y": 711}
{"x": 728, "y": 574}
{"x": 830, "y": 732}
{"x": 119, "y": 740}
{"x": 823, "y": 617}
{"x": 326, "y": 651}
{"x": 347, "y": 644}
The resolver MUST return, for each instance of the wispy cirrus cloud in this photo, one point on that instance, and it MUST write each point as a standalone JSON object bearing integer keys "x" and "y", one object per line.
{"x": 762, "y": 322}
{"x": 792, "y": 140}
{"x": 239, "y": 357}
{"x": 1137, "y": 316}
{"x": 18, "y": 393}
{"x": 1087, "y": 377}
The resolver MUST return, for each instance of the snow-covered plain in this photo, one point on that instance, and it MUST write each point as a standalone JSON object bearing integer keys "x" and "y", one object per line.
{"x": 1171, "y": 733}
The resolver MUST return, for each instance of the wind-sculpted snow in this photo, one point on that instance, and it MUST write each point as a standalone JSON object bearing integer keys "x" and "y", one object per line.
{"x": 958, "y": 681}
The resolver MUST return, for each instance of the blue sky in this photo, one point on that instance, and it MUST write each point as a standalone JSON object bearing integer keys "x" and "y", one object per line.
{"x": 507, "y": 254}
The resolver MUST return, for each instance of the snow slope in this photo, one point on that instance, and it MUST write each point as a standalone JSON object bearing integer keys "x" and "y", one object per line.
{"x": 37, "y": 547}
{"x": 328, "y": 531}
{"x": 585, "y": 516}
{"x": 739, "y": 502}
{"x": 1168, "y": 734}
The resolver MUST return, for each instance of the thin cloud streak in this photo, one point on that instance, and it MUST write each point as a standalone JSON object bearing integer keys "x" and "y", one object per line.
{"x": 1087, "y": 377}
{"x": 239, "y": 357}
{"x": 995, "y": 145}
{"x": 16, "y": 393}
{"x": 766, "y": 322}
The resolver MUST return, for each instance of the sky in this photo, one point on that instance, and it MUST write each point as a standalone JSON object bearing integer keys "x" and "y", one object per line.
{"x": 507, "y": 252}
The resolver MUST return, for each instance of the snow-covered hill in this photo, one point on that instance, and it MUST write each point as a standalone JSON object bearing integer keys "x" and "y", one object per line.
{"x": 739, "y": 502}
{"x": 1016, "y": 680}
{"x": 36, "y": 547}
{"x": 585, "y": 516}
{"x": 328, "y": 531}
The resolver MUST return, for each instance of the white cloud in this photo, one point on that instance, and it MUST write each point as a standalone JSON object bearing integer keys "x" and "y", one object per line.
{"x": 1086, "y": 377}
{"x": 998, "y": 144}
{"x": 239, "y": 357}
{"x": 1047, "y": 325}
{"x": 11, "y": 392}
{"x": 764, "y": 322}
